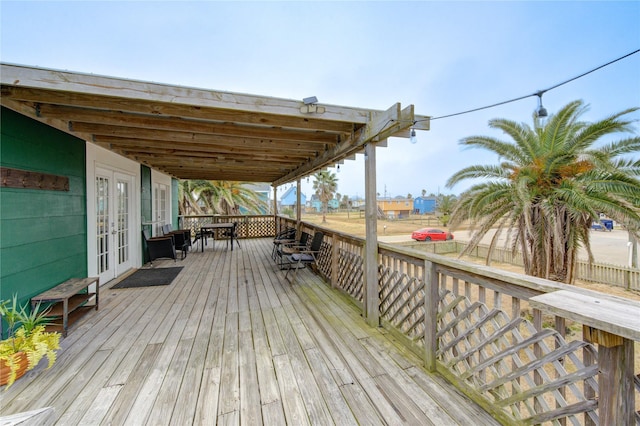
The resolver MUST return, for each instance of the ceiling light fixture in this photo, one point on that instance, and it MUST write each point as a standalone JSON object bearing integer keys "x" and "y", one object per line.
{"x": 413, "y": 138}
{"x": 541, "y": 111}
{"x": 310, "y": 106}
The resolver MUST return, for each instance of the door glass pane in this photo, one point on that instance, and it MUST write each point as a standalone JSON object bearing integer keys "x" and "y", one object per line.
{"x": 122, "y": 189}
{"x": 102, "y": 223}
{"x": 161, "y": 207}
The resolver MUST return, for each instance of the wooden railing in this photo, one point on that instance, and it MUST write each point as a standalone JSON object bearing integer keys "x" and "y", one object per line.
{"x": 601, "y": 273}
{"x": 511, "y": 342}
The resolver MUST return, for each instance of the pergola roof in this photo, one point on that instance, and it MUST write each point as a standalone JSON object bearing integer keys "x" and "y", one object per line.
{"x": 192, "y": 133}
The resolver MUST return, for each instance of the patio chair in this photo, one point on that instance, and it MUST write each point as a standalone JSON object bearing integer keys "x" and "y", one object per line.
{"x": 232, "y": 234}
{"x": 203, "y": 236}
{"x": 286, "y": 236}
{"x": 287, "y": 248}
{"x": 304, "y": 258}
{"x": 181, "y": 238}
{"x": 159, "y": 247}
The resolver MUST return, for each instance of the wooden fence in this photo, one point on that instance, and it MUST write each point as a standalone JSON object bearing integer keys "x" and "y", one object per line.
{"x": 601, "y": 273}
{"x": 499, "y": 337}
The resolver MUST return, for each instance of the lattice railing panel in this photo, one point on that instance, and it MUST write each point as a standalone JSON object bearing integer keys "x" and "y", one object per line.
{"x": 534, "y": 376}
{"x": 351, "y": 274}
{"x": 402, "y": 301}
{"x": 248, "y": 226}
{"x": 323, "y": 262}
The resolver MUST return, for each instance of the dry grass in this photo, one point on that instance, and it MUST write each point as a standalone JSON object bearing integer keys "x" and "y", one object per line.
{"x": 354, "y": 223}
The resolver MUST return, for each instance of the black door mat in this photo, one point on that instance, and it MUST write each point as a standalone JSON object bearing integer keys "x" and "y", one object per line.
{"x": 149, "y": 277}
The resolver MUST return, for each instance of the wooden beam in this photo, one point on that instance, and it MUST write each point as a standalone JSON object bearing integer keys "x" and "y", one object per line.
{"x": 41, "y": 78}
{"x": 55, "y": 104}
{"x": 31, "y": 112}
{"x": 216, "y": 143}
{"x": 119, "y": 119}
{"x": 381, "y": 126}
{"x": 185, "y": 134}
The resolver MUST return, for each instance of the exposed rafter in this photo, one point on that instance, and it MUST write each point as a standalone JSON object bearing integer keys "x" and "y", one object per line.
{"x": 192, "y": 133}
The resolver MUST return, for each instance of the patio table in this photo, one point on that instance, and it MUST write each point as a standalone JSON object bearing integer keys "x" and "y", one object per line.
{"x": 209, "y": 227}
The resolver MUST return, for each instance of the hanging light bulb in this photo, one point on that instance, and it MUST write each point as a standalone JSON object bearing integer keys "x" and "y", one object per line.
{"x": 413, "y": 138}
{"x": 541, "y": 111}
{"x": 338, "y": 168}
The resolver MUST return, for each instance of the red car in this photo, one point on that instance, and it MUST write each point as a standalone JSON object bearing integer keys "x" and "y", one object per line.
{"x": 431, "y": 234}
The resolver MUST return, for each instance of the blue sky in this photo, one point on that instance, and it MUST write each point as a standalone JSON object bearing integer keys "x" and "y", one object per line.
{"x": 443, "y": 57}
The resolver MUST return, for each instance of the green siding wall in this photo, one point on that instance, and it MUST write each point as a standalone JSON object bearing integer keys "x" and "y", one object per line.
{"x": 43, "y": 234}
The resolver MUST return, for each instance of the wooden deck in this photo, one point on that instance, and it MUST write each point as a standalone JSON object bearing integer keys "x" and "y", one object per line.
{"x": 231, "y": 342}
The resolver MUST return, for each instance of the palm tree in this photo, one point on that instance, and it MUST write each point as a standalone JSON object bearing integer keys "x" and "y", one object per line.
{"x": 187, "y": 196}
{"x": 325, "y": 185}
{"x": 445, "y": 204}
{"x": 220, "y": 197}
{"x": 552, "y": 184}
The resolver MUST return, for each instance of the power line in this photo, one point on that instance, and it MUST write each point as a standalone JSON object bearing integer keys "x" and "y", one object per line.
{"x": 539, "y": 92}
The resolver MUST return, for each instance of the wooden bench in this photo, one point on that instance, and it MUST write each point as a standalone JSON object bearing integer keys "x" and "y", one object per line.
{"x": 69, "y": 301}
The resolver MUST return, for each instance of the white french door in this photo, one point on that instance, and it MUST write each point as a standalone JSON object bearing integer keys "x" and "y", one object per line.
{"x": 161, "y": 206}
{"x": 113, "y": 223}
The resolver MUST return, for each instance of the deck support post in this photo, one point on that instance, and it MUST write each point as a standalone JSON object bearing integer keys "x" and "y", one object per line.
{"x": 615, "y": 378}
{"x": 371, "y": 292}
{"x": 431, "y": 300}
{"x": 298, "y": 204}
{"x": 335, "y": 260}
{"x": 275, "y": 208}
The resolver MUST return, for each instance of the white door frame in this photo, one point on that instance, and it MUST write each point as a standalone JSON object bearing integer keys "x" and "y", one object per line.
{"x": 116, "y": 167}
{"x": 159, "y": 179}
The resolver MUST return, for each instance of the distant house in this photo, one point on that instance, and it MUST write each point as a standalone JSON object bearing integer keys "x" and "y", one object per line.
{"x": 263, "y": 190}
{"x": 356, "y": 202}
{"x": 424, "y": 205}
{"x": 289, "y": 198}
{"x": 333, "y": 204}
{"x": 395, "y": 208}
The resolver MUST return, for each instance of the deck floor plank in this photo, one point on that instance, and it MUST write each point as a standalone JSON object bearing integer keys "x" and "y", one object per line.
{"x": 231, "y": 342}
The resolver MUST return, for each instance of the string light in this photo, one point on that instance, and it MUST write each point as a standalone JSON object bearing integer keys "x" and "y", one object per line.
{"x": 412, "y": 136}
{"x": 541, "y": 111}
{"x": 539, "y": 93}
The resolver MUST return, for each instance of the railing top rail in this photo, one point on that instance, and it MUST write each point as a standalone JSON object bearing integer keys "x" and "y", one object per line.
{"x": 605, "y": 312}
{"x": 222, "y": 215}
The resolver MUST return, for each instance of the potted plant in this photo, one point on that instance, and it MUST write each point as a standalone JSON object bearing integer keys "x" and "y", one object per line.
{"x": 27, "y": 341}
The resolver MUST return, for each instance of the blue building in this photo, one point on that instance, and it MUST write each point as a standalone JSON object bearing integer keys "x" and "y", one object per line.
{"x": 333, "y": 204}
{"x": 424, "y": 205}
{"x": 289, "y": 198}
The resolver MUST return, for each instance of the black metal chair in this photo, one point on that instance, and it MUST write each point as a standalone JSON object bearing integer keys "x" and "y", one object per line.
{"x": 159, "y": 247}
{"x": 287, "y": 248}
{"x": 203, "y": 235}
{"x": 232, "y": 234}
{"x": 286, "y": 236}
{"x": 304, "y": 258}
{"x": 181, "y": 238}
